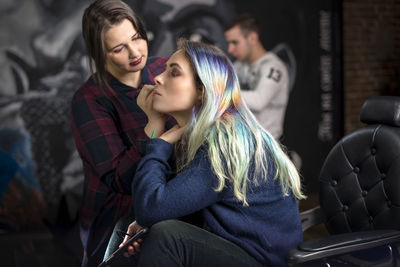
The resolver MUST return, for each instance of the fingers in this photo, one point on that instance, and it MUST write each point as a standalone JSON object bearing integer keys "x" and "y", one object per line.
{"x": 130, "y": 232}
{"x": 124, "y": 241}
{"x": 133, "y": 249}
{"x": 148, "y": 86}
{"x": 131, "y": 228}
{"x": 177, "y": 128}
{"x": 174, "y": 128}
{"x": 144, "y": 95}
{"x": 174, "y": 134}
{"x": 147, "y": 90}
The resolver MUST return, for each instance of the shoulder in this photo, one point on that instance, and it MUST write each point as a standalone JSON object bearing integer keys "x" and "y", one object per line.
{"x": 271, "y": 60}
{"x": 89, "y": 89}
{"x": 202, "y": 152}
{"x": 201, "y": 158}
{"x": 155, "y": 62}
{"x": 239, "y": 64}
{"x": 273, "y": 67}
{"x": 155, "y": 66}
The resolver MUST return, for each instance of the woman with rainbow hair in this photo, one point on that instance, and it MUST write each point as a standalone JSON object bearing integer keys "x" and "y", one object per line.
{"x": 228, "y": 172}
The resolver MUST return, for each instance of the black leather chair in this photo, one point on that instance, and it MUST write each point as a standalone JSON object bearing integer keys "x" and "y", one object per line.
{"x": 359, "y": 195}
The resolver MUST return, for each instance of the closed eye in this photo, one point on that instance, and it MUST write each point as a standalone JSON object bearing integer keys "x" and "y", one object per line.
{"x": 119, "y": 49}
{"x": 175, "y": 72}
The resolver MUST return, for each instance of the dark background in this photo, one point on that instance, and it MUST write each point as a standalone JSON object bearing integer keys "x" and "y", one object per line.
{"x": 297, "y": 23}
{"x": 42, "y": 63}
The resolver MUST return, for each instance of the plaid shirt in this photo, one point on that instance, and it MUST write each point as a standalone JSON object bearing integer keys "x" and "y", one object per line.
{"x": 109, "y": 135}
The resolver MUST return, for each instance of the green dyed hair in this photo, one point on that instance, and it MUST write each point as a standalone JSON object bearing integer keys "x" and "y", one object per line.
{"x": 236, "y": 141}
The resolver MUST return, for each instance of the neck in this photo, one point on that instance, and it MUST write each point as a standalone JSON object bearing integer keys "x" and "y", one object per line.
{"x": 130, "y": 78}
{"x": 182, "y": 118}
{"x": 257, "y": 52}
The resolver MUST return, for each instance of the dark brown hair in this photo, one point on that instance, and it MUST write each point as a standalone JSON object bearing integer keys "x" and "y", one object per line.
{"x": 97, "y": 19}
{"x": 246, "y": 22}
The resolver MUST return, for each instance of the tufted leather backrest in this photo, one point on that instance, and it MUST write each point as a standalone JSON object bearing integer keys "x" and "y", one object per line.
{"x": 360, "y": 178}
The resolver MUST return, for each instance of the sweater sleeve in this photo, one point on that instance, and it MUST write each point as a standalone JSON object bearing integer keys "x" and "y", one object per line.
{"x": 156, "y": 198}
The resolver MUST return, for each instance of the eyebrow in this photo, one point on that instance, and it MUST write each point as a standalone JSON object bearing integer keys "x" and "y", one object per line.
{"x": 133, "y": 36}
{"x": 173, "y": 64}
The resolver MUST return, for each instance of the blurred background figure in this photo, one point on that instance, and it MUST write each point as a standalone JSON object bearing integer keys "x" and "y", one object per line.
{"x": 265, "y": 79}
{"x": 263, "y": 76}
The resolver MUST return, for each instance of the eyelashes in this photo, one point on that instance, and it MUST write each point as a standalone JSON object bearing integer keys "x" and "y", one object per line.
{"x": 134, "y": 38}
{"x": 174, "y": 72}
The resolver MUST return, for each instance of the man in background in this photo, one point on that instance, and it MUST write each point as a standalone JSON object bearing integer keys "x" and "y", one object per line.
{"x": 263, "y": 76}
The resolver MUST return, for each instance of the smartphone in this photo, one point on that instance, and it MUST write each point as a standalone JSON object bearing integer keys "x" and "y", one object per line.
{"x": 121, "y": 250}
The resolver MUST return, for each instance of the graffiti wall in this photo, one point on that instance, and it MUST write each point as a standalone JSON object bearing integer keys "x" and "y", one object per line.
{"x": 42, "y": 64}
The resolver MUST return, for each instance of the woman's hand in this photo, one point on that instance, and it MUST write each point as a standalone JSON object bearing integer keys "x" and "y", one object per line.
{"x": 156, "y": 120}
{"x": 133, "y": 228}
{"x": 174, "y": 134}
{"x": 145, "y": 102}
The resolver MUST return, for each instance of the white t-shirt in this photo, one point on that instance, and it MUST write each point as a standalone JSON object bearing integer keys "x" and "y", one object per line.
{"x": 265, "y": 90}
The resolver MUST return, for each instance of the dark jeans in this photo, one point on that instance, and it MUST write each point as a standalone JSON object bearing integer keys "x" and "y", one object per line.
{"x": 176, "y": 243}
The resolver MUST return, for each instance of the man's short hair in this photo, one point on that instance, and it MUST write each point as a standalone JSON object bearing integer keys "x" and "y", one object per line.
{"x": 246, "y": 22}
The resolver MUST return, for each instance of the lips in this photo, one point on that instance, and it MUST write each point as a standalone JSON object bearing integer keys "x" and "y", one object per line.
{"x": 156, "y": 93}
{"x": 136, "y": 62}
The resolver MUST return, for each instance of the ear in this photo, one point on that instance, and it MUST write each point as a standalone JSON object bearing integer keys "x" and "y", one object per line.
{"x": 253, "y": 37}
{"x": 200, "y": 94}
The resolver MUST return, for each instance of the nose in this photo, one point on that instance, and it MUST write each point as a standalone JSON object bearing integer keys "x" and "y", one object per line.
{"x": 158, "y": 78}
{"x": 132, "y": 51}
{"x": 230, "y": 48}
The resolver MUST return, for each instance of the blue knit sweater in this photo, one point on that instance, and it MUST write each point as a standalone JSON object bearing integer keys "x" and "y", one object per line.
{"x": 267, "y": 229}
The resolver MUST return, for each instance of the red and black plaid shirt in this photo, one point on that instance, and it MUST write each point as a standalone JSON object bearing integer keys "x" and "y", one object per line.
{"x": 109, "y": 135}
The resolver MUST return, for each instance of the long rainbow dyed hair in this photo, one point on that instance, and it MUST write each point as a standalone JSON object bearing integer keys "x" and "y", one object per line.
{"x": 236, "y": 141}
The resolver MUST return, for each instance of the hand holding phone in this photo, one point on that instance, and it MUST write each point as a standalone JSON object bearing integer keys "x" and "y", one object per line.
{"x": 121, "y": 250}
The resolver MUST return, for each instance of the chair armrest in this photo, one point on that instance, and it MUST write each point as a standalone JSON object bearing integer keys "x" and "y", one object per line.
{"x": 311, "y": 217}
{"x": 340, "y": 244}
